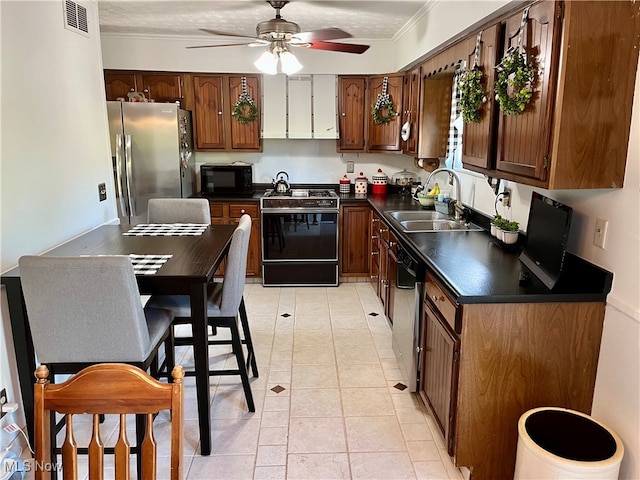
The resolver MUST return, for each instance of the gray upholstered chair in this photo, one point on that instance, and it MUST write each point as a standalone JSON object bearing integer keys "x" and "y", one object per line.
{"x": 87, "y": 310}
{"x": 225, "y": 305}
{"x": 178, "y": 210}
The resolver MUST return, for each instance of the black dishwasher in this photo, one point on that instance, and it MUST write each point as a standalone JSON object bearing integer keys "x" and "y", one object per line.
{"x": 407, "y": 314}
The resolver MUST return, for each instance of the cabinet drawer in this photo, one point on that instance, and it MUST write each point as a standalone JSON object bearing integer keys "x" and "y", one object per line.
{"x": 236, "y": 211}
{"x": 217, "y": 210}
{"x": 441, "y": 301}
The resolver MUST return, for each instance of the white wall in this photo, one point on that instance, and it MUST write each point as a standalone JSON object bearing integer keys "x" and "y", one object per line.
{"x": 55, "y": 146}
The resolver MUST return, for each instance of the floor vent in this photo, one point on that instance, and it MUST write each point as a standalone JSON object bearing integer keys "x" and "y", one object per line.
{"x": 75, "y": 16}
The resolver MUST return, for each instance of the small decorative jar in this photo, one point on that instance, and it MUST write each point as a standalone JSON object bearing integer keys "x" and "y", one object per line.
{"x": 379, "y": 182}
{"x": 345, "y": 184}
{"x": 361, "y": 184}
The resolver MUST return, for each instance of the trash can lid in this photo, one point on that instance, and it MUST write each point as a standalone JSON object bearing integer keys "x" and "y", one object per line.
{"x": 570, "y": 436}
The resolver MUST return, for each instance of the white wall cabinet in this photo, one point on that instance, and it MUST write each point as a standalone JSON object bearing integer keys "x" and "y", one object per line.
{"x": 274, "y": 106}
{"x": 299, "y": 106}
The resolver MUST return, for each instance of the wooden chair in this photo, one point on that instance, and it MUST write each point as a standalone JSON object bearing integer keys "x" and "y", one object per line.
{"x": 108, "y": 388}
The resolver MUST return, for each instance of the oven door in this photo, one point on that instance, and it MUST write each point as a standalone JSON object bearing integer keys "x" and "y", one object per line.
{"x": 291, "y": 235}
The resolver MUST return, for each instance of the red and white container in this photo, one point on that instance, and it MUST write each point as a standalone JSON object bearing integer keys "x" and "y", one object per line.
{"x": 379, "y": 182}
{"x": 361, "y": 185}
{"x": 345, "y": 184}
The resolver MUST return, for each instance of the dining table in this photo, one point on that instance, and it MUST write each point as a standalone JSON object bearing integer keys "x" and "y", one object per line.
{"x": 189, "y": 262}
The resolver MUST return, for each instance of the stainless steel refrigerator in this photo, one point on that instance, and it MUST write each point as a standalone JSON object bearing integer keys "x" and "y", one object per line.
{"x": 151, "y": 146}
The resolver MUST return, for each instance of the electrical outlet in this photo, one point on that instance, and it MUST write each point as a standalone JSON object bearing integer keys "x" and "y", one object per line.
{"x": 350, "y": 167}
{"x": 600, "y": 234}
{"x": 506, "y": 197}
{"x": 102, "y": 191}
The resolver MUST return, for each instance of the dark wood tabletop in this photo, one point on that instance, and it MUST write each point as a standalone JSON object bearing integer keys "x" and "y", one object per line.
{"x": 192, "y": 265}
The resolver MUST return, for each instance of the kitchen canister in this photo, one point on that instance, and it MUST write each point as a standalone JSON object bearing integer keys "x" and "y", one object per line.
{"x": 362, "y": 183}
{"x": 345, "y": 184}
{"x": 379, "y": 182}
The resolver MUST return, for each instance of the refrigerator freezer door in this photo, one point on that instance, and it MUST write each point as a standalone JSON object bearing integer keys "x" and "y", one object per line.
{"x": 155, "y": 164}
{"x": 116, "y": 134}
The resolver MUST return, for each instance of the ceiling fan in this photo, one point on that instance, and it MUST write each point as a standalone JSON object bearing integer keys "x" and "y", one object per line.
{"x": 279, "y": 34}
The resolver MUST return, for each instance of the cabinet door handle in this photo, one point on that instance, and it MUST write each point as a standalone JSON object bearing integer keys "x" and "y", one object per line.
{"x": 375, "y": 220}
{"x": 375, "y": 253}
{"x": 219, "y": 113}
{"x": 374, "y": 276}
{"x": 391, "y": 244}
{"x": 374, "y": 237}
{"x": 344, "y": 114}
{"x": 243, "y": 211}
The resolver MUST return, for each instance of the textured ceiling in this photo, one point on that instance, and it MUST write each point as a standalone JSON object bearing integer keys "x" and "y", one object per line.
{"x": 360, "y": 18}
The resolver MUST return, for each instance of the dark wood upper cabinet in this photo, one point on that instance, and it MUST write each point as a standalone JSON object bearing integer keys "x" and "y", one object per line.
{"x": 216, "y": 129}
{"x": 162, "y": 87}
{"x": 478, "y": 147}
{"x": 245, "y": 136}
{"x": 119, "y": 84}
{"x": 210, "y": 129}
{"x": 385, "y": 137}
{"x": 410, "y": 112}
{"x": 352, "y": 94}
{"x": 524, "y": 139}
{"x": 575, "y": 131}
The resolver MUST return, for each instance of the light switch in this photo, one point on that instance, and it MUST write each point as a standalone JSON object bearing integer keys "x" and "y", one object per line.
{"x": 600, "y": 234}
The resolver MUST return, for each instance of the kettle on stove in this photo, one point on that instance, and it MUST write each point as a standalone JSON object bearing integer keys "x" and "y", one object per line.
{"x": 281, "y": 185}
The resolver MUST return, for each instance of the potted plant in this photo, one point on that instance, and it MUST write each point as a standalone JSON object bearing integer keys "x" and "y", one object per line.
{"x": 510, "y": 232}
{"x": 495, "y": 224}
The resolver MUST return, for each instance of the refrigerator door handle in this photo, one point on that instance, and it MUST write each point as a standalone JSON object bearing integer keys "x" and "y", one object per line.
{"x": 119, "y": 166}
{"x": 128, "y": 159}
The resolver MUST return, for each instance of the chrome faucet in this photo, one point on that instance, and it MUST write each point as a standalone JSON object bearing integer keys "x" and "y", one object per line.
{"x": 458, "y": 207}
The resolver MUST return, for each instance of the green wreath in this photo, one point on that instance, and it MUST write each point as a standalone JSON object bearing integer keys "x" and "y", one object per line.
{"x": 514, "y": 73}
{"x": 384, "y": 103}
{"x": 471, "y": 94}
{"x": 241, "y": 113}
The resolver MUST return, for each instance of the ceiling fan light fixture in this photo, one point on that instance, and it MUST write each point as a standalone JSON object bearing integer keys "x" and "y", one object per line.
{"x": 289, "y": 63}
{"x": 267, "y": 63}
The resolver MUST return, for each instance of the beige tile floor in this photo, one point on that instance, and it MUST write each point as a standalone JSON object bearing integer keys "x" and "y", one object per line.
{"x": 339, "y": 415}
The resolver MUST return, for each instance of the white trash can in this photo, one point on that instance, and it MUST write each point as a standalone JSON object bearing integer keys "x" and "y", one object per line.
{"x": 558, "y": 443}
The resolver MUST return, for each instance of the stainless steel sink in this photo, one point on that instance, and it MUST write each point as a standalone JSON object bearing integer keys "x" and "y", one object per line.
{"x": 428, "y": 221}
{"x": 409, "y": 215}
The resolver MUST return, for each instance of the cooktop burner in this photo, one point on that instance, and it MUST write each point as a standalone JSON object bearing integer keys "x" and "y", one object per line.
{"x": 302, "y": 192}
{"x": 315, "y": 199}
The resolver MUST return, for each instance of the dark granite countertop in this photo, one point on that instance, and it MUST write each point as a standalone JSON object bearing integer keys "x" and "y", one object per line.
{"x": 476, "y": 269}
{"x": 472, "y": 265}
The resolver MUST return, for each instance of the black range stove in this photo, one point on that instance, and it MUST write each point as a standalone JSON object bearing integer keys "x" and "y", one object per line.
{"x": 300, "y": 237}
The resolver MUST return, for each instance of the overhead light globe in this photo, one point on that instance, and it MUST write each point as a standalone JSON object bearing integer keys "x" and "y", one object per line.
{"x": 289, "y": 63}
{"x": 267, "y": 63}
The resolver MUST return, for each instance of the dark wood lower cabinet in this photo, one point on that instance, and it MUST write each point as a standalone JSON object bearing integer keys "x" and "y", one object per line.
{"x": 355, "y": 237}
{"x": 439, "y": 372}
{"x": 484, "y": 365}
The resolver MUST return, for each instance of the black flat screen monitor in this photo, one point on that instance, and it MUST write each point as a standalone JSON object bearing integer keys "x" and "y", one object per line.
{"x": 547, "y": 235}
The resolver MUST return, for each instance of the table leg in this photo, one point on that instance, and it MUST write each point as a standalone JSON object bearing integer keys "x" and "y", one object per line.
{"x": 201, "y": 362}
{"x": 23, "y": 346}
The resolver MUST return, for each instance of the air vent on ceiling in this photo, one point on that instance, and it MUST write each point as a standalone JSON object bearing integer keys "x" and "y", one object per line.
{"x": 75, "y": 18}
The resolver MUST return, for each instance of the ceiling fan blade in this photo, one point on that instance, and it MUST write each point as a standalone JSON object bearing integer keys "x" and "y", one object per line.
{"x": 225, "y": 34}
{"x": 338, "y": 47}
{"x": 320, "y": 35}
{"x": 220, "y": 45}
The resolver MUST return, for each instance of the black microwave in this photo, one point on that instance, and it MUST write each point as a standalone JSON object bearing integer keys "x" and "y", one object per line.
{"x": 226, "y": 179}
